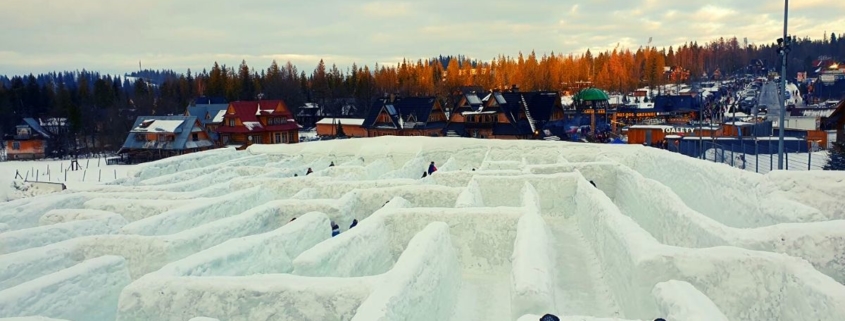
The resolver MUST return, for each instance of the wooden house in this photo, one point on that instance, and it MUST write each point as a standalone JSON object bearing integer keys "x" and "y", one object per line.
{"x": 341, "y": 127}
{"x": 836, "y": 121}
{"x": 258, "y": 122}
{"x": 409, "y": 116}
{"x": 210, "y": 117}
{"x": 157, "y": 137}
{"x": 505, "y": 115}
{"x": 37, "y": 138}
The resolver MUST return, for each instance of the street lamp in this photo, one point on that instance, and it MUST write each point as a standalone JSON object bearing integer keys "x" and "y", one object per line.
{"x": 783, "y": 50}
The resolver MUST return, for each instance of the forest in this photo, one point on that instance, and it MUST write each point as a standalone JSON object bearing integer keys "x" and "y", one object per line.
{"x": 103, "y": 107}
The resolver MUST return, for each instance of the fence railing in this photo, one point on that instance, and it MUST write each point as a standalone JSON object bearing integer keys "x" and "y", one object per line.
{"x": 757, "y": 156}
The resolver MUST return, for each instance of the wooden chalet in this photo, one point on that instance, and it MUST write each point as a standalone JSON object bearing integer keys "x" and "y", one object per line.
{"x": 836, "y": 121}
{"x": 37, "y": 138}
{"x": 210, "y": 117}
{"x": 258, "y": 122}
{"x": 409, "y": 116}
{"x": 505, "y": 115}
{"x": 157, "y": 137}
{"x": 341, "y": 127}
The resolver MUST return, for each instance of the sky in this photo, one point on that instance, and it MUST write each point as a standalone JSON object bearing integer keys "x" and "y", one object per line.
{"x": 112, "y": 36}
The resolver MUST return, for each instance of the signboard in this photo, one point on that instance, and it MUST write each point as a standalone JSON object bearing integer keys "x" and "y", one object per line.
{"x": 678, "y": 130}
{"x": 827, "y": 78}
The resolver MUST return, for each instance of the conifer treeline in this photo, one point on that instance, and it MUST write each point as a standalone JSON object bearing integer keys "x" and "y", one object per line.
{"x": 86, "y": 97}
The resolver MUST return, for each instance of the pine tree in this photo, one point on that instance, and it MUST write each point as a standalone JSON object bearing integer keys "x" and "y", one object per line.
{"x": 837, "y": 158}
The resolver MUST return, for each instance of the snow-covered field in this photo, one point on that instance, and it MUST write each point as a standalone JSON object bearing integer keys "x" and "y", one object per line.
{"x": 90, "y": 172}
{"x": 505, "y": 230}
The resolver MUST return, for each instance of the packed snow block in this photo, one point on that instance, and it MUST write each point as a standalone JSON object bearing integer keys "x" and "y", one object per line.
{"x": 556, "y": 191}
{"x": 470, "y": 196}
{"x": 28, "y": 215}
{"x": 186, "y": 162}
{"x": 134, "y": 209}
{"x": 86, "y": 291}
{"x": 501, "y": 165}
{"x": 820, "y": 243}
{"x": 306, "y": 194}
{"x": 727, "y": 195}
{"x": 203, "y": 319}
{"x": 265, "y": 253}
{"x": 535, "y": 317}
{"x": 24, "y": 266}
{"x": 783, "y": 288}
{"x": 412, "y": 169}
{"x": 680, "y": 300}
{"x": 243, "y": 298}
{"x": 530, "y": 198}
{"x": 23, "y": 239}
{"x": 360, "y": 251}
{"x": 361, "y": 203}
{"x": 619, "y": 244}
{"x": 283, "y": 187}
{"x": 377, "y": 168}
{"x": 4, "y": 227}
{"x": 818, "y": 189}
{"x": 70, "y": 215}
{"x": 483, "y": 237}
{"x": 423, "y": 285}
{"x": 193, "y": 215}
{"x": 337, "y": 189}
{"x": 506, "y": 154}
{"x": 532, "y": 278}
{"x": 658, "y": 210}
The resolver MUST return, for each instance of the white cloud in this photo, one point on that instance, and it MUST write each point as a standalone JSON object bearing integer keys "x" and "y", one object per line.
{"x": 111, "y": 36}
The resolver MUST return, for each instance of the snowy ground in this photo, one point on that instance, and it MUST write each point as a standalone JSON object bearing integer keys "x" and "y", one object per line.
{"x": 505, "y": 230}
{"x": 765, "y": 163}
{"x": 90, "y": 173}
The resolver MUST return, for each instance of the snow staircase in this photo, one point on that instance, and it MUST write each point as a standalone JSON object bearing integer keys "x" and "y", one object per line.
{"x": 528, "y": 114}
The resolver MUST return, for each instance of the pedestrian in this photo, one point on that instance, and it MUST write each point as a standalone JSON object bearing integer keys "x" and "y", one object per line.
{"x": 594, "y": 184}
{"x": 332, "y": 164}
{"x": 431, "y": 168}
{"x": 550, "y": 317}
{"x": 424, "y": 174}
{"x": 295, "y": 175}
{"x": 309, "y": 171}
{"x": 335, "y": 229}
{"x": 354, "y": 223}
{"x": 293, "y": 219}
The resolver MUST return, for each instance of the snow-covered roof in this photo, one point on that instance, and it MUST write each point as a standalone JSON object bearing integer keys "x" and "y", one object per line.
{"x": 219, "y": 117}
{"x": 489, "y": 112}
{"x": 342, "y": 121}
{"x": 252, "y": 125}
{"x": 158, "y": 126}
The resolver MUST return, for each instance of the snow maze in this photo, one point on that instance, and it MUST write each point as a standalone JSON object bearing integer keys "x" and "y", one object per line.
{"x": 505, "y": 230}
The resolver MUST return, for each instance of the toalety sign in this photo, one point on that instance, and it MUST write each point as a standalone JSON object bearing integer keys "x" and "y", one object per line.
{"x": 678, "y": 130}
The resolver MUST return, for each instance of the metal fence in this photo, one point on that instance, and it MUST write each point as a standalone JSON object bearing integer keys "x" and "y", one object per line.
{"x": 756, "y": 156}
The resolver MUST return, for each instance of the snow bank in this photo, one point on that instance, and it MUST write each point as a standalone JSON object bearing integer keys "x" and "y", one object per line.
{"x": 681, "y": 301}
{"x": 203, "y": 319}
{"x": 186, "y": 162}
{"x": 30, "y": 319}
{"x": 135, "y": 209}
{"x": 27, "y": 214}
{"x": 555, "y": 191}
{"x": 256, "y": 254}
{"x": 243, "y": 298}
{"x": 464, "y": 160}
{"x": 470, "y": 196}
{"x": 600, "y": 172}
{"x": 207, "y": 172}
{"x": 727, "y": 195}
{"x": 534, "y": 317}
{"x": 423, "y": 285}
{"x": 411, "y": 169}
{"x": 19, "y": 240}
{"x": 483, "y": 237}
{"x": 87, "y": 291}
{"x": 360, "y": 251}
{"x": 822, "y": 190}
{"x": 69, "y": 215}
{"x": 4, "y": 227}
{"x": 532, "y": 278}
{"x": 193, "y": 215}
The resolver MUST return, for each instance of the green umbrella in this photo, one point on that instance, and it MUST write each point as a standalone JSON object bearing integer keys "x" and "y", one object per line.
{"x": 595, "y": 96}
{"x": 591, "y": 94}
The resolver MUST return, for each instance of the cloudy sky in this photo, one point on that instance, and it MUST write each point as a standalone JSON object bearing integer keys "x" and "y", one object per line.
{"x": 113, "y": 35}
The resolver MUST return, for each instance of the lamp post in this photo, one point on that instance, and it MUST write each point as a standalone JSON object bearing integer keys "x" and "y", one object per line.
{"x": 783, "y": 50}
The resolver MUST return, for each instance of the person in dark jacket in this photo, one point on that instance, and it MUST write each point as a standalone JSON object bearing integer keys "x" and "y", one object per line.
{"x": 425, "y": 174}
{"x": 335, "y": 229}
{"x": 332, "y": 164}
{"x": 594, "y": 183}
{"x": 549, "y": 317}
{"x": 309, "y": 171}
{"x": 354, "y": 223}
{"x": 431, "y": 168}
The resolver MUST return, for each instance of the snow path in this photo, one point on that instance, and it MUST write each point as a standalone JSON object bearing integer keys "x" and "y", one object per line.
{"x": 483, "y": 296}
{"x": 580, "y": 287}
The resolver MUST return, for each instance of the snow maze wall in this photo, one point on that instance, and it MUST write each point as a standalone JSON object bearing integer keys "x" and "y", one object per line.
{"x": 503, "y": 231}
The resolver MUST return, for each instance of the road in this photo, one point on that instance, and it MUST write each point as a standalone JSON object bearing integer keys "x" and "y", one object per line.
{"x": 769, "y": 98}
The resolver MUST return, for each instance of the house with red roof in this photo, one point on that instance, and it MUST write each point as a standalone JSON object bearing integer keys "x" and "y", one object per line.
{"x": 258, "y": 122}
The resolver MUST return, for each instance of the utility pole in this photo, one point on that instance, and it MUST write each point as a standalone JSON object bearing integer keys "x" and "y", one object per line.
{"x": 784, "y": 50}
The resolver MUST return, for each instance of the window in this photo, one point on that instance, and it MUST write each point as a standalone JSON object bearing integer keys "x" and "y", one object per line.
{"x": 16, "y": 145}
{"x": 231, "y": 123}
{"x": 162, "y": 138}
{"x": 278, "y": 138}
{"x": 140, "y": 137}
{"x": 256, "y": 139}
{"x": 195, "y": 137}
